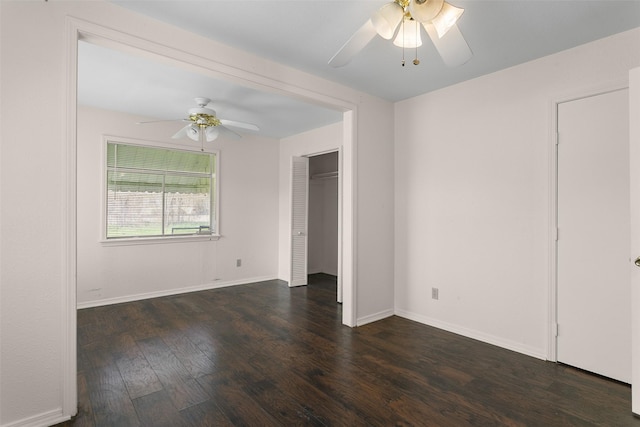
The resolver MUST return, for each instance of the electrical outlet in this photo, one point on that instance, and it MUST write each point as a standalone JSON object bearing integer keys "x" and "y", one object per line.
{"x": 96, "y": 292}
{"x": 238, "y": 262}
{"x": 434, "y": 293}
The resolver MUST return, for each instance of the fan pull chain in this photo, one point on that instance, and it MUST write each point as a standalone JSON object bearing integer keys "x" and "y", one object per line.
{"x": 416, "y": 61}
{"x": 403, "y": 42}
{"x": 201, "y": 134}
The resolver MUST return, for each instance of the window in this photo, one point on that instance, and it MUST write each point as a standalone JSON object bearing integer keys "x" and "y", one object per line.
{"x": 159, "y": 192}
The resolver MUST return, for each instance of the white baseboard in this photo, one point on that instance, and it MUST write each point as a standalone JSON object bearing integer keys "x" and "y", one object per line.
{"x": 374, "y": 317}
{"x": 473, "y": 334}
{"x": 44, "y": 419}
{"x": 169, "y": 292}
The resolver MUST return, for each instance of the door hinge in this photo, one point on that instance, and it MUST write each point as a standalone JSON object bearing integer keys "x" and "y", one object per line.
{"x": 556, "y": 328}
{"x": 557, "y": 138}
{"x": 556, "y": 234}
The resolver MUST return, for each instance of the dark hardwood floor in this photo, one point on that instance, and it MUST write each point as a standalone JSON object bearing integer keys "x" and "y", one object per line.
{"x": 266, "y": 355}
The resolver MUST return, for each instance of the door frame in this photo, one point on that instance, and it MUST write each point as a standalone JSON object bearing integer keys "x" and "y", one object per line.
{"x": 552, "y": 315}
{"x": 338, "y": 149}
{"x": 634, "y": 158}
{"x": 78, "y": 29}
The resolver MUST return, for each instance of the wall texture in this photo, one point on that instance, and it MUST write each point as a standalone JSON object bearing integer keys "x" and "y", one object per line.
{"x": 473, "y": 194}
{"x": 248, "y": 218}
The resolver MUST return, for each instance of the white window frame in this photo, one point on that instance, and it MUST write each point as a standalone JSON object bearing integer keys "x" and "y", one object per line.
{"x": 143, "y": 240}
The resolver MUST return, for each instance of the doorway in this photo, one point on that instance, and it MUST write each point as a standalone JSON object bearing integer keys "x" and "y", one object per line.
{"x": 316, "y": 227}
{"x": 77, "y": 30}
{"x": 323, "y": 239}
{"x": 593, "y": 276}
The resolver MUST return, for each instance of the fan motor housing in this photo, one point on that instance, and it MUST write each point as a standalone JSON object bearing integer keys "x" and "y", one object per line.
{"x": 203, "y": 116}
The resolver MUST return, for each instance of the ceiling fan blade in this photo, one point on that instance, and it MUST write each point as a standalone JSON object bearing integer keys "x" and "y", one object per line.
{"x": 452, "y": 47}
{"x": 160, "y": 121}
{"x": 240, "y": 125}
{"x": 181, "y": 133}
{"x": 355, "y": 44}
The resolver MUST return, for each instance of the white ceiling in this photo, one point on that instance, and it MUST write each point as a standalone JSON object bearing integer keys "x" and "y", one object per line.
{"x": 120, "y": 81}
{"x": 304, "y": 34}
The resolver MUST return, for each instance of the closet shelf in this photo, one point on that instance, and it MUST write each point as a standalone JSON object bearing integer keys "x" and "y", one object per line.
{"x": 326, "y": 175}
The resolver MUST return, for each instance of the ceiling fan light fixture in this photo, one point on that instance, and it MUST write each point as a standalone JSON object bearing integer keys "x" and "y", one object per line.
{"x": 386, "y": 19}
{"x": 211, "y": 133}
{"x": 425, "y": 10}
{"x": 192, "y": 132}
{"x": 453, "y": 48}
{"x": 409, "y": 35}
{"x": 447, "y": 18}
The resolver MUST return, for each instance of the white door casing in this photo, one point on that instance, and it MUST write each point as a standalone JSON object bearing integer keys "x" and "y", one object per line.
{"x": 299, "y": 220}
{"x": 634, "y": 163}
{"x": 339, "y": 280}
{"x": 593, "y": 293}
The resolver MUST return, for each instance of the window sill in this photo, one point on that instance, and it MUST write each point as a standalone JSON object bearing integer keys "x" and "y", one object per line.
{"x": 129, "y": 241}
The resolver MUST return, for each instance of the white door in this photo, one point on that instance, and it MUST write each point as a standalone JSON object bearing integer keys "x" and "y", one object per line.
{"x": 634, "y": 149}
{"x": 299, "y": 215}
{"x": 594, "y": 293}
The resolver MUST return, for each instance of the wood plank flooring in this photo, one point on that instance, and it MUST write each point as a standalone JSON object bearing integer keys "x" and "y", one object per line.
{"x": 267, "y": 355}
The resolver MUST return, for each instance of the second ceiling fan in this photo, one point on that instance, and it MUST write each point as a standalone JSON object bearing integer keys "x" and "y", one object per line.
{"x": 204, "y": 125}
{"x": 404, "y": 18}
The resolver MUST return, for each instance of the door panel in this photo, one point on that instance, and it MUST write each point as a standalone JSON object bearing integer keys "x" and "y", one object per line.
{"x": 594, "y": 311}
{"x": 299, "y": 219}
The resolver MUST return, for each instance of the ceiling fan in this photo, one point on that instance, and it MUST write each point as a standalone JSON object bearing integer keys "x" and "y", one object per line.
{"x": 436, "y": 16}
{"x": 204, "y": 125}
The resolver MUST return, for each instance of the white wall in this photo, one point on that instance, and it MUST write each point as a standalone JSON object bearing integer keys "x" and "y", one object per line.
{"x": 375, "y": 212}
{"x": 37, "y": 353}
{"x": 33, "y": 215}
{"x": 323, "y": 226}
{"x": 472, "y": 194}
{"x": 248, "y": 218}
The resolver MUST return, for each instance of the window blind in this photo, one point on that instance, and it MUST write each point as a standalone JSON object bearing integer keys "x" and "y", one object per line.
{"x": 158, "y": 192}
